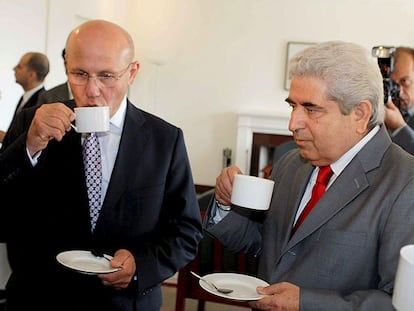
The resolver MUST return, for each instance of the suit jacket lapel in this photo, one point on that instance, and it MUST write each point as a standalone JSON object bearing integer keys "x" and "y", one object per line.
{"x": 131, "y": 147}
{"x": 299, "y": 185}
{"x": 346, "y": 187}
{"x": 349, "y": 184}
{"x": 33, "y": 99}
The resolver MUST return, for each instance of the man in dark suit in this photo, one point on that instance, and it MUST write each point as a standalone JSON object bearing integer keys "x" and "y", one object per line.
{"x": 58, "y": 93}
{"x": 400, "y": 120}
{"x": 30, "y": 73}
{"x": 149, "y": 219}
{"x": 344, "y": 254}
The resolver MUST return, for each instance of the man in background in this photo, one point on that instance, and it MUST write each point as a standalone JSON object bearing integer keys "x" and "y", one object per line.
{"x": 400, "y": 120}
{"x": 30, "y": 73}
{"x": 60, "y": 92}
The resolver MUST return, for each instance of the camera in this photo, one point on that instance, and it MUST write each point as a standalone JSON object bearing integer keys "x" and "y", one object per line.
{"x": 386, "y": 58}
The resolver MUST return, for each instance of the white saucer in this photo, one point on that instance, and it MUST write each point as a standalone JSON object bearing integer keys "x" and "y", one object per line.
{"x": 85, "y": 262}
{"x": 244, "y": 286}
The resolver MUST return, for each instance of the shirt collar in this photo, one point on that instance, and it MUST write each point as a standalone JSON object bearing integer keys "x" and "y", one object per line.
{"x": 118, "y": 119}
{"x": 339, "y": 165}
{"x": 69, "y": 90}
{"x": 29, "y": 93}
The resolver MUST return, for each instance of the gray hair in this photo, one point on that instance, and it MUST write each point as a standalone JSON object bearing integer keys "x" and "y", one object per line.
{"x": 350, "y": 72}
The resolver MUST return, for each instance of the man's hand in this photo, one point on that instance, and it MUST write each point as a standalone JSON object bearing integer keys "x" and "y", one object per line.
{"x": 51, "y": 121}
{"x": 2, "y": 134}
{"x": 224, "y": 184}
{"x": 281, "y": 296}
{"x": 125, "y": 261}
{"x": 393, "y": 118}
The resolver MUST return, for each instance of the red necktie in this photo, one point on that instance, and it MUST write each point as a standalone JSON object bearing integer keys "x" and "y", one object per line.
{"x": 325, "y": 173}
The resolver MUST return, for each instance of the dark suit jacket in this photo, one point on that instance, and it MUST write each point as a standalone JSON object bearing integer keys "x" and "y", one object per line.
{"x": 405, "y": 137}
{"x": 32, "y": 101}
{"x": 55, "y": 94}
{"x": 150, "y": 209}
{"x": 344, "y": 256}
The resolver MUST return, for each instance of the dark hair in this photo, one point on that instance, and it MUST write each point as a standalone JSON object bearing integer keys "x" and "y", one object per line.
{"x": 39, "y": 63}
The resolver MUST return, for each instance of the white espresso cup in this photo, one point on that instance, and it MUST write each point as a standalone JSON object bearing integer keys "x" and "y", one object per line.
{"x": 252, "y": 192}
{"x": 403, "y": 296}
{"x": 91, "y": 119}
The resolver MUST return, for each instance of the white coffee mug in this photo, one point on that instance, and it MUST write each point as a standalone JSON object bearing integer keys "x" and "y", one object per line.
{"x": 91, "y": 119}
{"x": 403, "y": 297}
{"x": 252, "y": 192}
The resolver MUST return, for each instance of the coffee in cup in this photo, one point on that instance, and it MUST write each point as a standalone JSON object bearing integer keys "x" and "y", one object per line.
{"x": 252, "y": 192}
{"x": 91, "y": 119}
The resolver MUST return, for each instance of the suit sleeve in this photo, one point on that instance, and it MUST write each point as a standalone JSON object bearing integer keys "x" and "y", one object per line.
{"x": 175, "y": 242}
{"x": 239, "y": 231}
{"x": 405, "y": 139}
{"x": 14, "y": 162}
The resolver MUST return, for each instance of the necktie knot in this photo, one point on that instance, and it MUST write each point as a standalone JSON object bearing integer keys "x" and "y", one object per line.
{"x": 324, "y": 175}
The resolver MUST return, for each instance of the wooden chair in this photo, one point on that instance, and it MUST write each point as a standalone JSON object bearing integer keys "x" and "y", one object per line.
{"x": 211, "y": 258}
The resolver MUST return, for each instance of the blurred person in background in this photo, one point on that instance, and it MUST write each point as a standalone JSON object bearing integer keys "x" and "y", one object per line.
{"x": 60, "y": 92}
{"x": 399, "y": 117}
{"x": 30, "y": 73}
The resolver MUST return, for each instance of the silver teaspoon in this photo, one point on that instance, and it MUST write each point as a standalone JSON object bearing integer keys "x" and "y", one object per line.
{"x": 99, "y": 254}
{"x": 211, "y": 284}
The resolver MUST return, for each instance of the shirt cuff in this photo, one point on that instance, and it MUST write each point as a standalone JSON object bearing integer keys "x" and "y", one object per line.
{"x": 220, "y": 212}
{"x": 223, "y": 207}
{"x": 394, "y": 133}
{"x": 33, "y": 159}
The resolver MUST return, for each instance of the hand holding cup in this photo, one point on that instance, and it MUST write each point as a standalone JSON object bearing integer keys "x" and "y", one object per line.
{"x": 50, "y": 121}
{"x": 252, "y": 192}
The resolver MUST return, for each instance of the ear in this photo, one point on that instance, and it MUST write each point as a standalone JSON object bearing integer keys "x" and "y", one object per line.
{"x": 133, "y": 71}
{"x": 361, "y": 114}
{"x": 33, "y": 75}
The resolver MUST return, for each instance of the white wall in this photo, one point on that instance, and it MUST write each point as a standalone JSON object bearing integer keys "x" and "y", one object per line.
{"x": 216, "y": 57}
{"x": 63, "y": 16}
{"x": 204, "y": 60}
{"x": 23, "y": 29}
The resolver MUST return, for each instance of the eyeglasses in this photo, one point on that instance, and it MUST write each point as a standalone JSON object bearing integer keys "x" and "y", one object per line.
{"x": 105, "y": 79}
